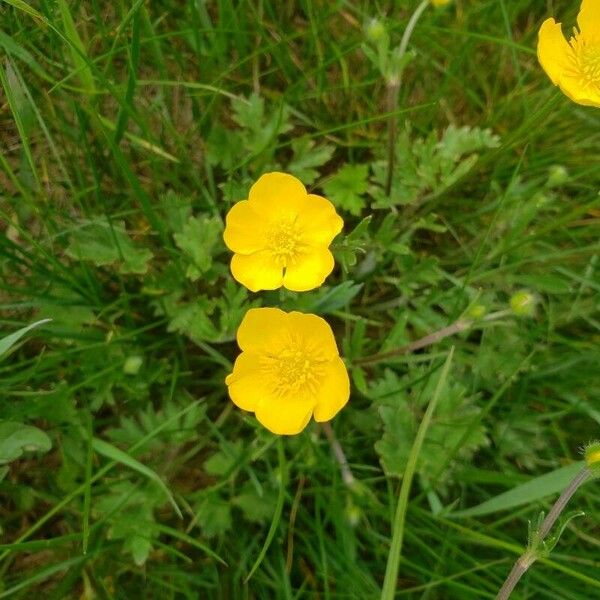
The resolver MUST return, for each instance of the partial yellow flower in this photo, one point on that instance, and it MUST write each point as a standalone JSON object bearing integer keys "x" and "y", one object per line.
{"x": 440, "y": 2}
{"x": 281, "y": 236}
{"x": 289, "y": 370}
{"x": 574, "y": 66}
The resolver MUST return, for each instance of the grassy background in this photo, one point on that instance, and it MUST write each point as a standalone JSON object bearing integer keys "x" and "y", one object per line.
{"x": 127, "y": 131}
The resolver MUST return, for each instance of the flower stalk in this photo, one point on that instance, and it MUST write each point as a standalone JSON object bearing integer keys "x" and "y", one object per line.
{"x": 538, "y": 547}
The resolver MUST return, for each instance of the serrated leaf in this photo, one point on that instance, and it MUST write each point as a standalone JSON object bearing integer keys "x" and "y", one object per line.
{"x": 401, "y": 405}
{"x": 17, "y": 438}
{"x": 198, "y": 240}
{"x": 347, "y": 187}
{"x": 194, "y": 320}
{"x": 103, "y": 243}
{"x": 214, "y": 515}
{"x": 224, "y": 461}
{"x": 307, "y": 157}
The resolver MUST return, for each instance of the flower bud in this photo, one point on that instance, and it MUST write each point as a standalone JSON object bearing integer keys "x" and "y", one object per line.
{"x": 592, "y": 456}
{"x": 132, "y": 365}
{"x": 557, "y": 176}
{"x": 523, "y": 304}
{"x": 476, "y": 312}
{"x": 374, "y": 30}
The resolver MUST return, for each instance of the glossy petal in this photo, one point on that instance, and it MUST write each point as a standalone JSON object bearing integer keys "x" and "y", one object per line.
{"x": 244, "y": 229}
{"x": 316, "y": 332}
{"x": 277, "y": 194}
{"x": 285, "y": 416}
{"x": 583, "y": 95}
{"x": 553, "y": 50}
{"x": 588, "y": 20}
{"x": 309, "y": 270}
{"x": 334, "y": 392}
{"x": 261, "y": 329}
{"x": 319, "y": 221}
{"x": 247, "y": 384}
{"x": 258, "y": 271}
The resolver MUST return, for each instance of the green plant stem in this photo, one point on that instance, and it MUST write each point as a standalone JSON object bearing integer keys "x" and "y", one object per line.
{"x": 530, "y": 555}
{"x": 432, "y": 338}
{"x": 340, "y": 456}
{"x": 393, "y": 91}
{"x": 393, "y": 563}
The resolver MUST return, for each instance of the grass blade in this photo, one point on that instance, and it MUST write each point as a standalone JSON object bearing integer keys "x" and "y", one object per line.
{"x": 391, "y": 572}
{"x": 113, "y": 453}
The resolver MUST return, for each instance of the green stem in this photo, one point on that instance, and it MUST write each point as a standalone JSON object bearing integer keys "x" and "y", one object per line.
{"x": 531, "y": 555}
{"x": 393, "y": 91}
{"x": 393, "y": 563}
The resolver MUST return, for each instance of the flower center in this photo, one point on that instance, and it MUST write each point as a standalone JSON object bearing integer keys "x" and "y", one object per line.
{"x": 284, "y": 241}
{"x": 294, "y": 370}
{"x": 587, "y": 61}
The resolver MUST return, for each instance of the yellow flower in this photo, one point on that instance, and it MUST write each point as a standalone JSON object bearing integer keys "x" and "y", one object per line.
{"x": 288, "y": 371}
{"x": 281, "y": 236}
{"x": 574, "y": 66}
{"x": 440, "y": 2}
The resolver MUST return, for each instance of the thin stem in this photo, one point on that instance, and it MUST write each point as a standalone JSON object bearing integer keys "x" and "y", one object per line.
{"x": 340, "y": 456}
{"x": 531, "y": 555}
{"x": 393, "y": 91}
{"x": 432, "y": 338}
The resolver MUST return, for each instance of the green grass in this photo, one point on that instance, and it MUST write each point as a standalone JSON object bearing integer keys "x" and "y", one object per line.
{"x": 127, "y": 130}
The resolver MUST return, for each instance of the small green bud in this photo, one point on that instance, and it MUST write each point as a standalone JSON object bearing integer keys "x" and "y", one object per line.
{"x": 353, "y": 514}
{"x": 133, "y": 364}
{"x": 476, "y": 312}
{"x": 523, "y": 304}
{"x": 557, "y": 176}
{"x": 592, "y": 457}
{"x": 374, "y": 30}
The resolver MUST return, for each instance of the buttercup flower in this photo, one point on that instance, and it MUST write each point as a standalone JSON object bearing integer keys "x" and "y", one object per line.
{"x": 440, "y": 2}
{"x": 288, "y": 371}
{"x": 281, "y": 236}
{"x": 574, "y": 66}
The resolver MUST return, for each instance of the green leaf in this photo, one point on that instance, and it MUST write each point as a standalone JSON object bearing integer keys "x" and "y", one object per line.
{"x": 224, "y": 461}
{"x": 526, "y": 493}
{"x": 10, "y": 340}
{"x": 214, "y": 515}
{"x": 347, "y": 187}
{"x": 113, "y": 453}
{"x": 16, "y": 438}
{"x": 307, "y": 157}
{"x": 327, "y": 299}
{"x": 194, "y": 320}
{"x": 401, "y": 408}
{"x": 198, "y": 239}
{"x": 103, "y": 243}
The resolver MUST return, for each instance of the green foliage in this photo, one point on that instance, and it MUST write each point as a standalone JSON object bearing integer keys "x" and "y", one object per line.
{"x": 198, "y": 241}
{"x": 129, "y": 131}
{"x": 16, "y": 438}
{"x": 430, "y": 165}
{"x": 401, "y": 404}
{"x": 347, "y": 187}
{"x": 104, "y": 243}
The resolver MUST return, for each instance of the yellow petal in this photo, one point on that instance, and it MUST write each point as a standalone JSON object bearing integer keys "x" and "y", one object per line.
{"x": 588, "y": 20}
{"x": 581, "y": 94}
{"x": 261, "y": 330}
{"x": 553, "y": 50}
{"x": 308, "y": 270}
{"x": 285, "y": 416}
{"x": 244, "y": 229}
{"x": 276, "y": 194}
{"x": 248, "y": 384}
{"x": 334, "y": 392}
{"x": 318, "y": 221}
{"x": 258, "y": 271}
{"x": 316, "y": 334}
